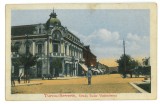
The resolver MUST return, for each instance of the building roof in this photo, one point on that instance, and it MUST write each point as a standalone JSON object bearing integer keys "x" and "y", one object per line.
{"x": 22, "y": 29}
{"x": 25, "y": 29}
{"x": 55, "y": 21}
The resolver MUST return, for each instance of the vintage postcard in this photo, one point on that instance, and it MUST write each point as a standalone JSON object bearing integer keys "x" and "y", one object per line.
{"x": 81, "y": 51}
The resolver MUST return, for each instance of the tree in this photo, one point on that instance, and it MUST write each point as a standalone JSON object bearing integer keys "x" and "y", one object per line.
{"x": 25, "y": 60}
{"x": 128, "y": 62}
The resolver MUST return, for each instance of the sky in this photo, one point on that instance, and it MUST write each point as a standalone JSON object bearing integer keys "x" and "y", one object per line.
{"x": 104, "y": 29}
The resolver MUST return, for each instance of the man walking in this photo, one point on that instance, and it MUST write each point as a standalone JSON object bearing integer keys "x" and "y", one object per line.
{"x": 89, "y": 75}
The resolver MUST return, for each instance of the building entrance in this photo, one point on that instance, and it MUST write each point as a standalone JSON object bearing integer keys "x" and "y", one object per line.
{"x": 39, "y": 69}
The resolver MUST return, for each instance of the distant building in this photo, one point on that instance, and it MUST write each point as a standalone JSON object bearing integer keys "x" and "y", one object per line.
{"x": 102, "y": 68}
{"x": 89, "y": 57}
{"x": 60, "y": 52}
{"x": 146, "y": 61}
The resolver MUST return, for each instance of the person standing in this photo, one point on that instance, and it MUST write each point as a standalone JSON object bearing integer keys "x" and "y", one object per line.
{"x": 89, "y": 75}
{"x": 28, "y": 78}
{"x": 12, "y": 80}
{"x": 19, "y": 78}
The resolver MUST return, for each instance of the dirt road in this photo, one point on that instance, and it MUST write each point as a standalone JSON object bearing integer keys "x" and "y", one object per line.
{"x": 113, "y": 83}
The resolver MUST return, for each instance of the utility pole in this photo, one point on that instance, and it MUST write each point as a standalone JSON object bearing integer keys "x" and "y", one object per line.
{"x": 124, "y": 73}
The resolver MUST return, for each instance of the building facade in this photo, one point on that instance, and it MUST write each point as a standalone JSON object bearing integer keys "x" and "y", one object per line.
{"x": 89, "y": 57}
{"x": 59, "y": 51}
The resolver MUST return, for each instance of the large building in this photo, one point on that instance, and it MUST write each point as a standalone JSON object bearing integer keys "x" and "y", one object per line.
{"x": 59, "y": 51}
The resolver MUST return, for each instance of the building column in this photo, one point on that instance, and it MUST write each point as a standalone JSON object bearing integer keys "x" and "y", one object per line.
{"x": 67, "y": 50}
{"x": 33, "y": 50}
{"x": 45, "y": 47}
{"x": 64, "y": 50}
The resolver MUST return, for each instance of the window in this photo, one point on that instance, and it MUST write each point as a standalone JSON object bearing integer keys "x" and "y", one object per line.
{"x": 66, "y": 50}
{"x": 55, "y": 47}
{"x": 16, "y": 47}
{"x": 69, "y": 50}
{"x": 56, "y": 34}
{"x": 39, "y": 48}
{"x": 40, "y": 30}
{"x": 27, "y": 49}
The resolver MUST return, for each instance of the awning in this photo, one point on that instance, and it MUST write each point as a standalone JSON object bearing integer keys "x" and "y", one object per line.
{"x": 84, "y": 67}
{"x": 94, "y": 69}
{"x": 101, "y": 70}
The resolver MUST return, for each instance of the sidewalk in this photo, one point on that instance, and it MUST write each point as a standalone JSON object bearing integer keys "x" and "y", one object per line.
{"x": 64, "y": 78}
{"x": 34, "y": 81}
{"x": 27, "y": 84}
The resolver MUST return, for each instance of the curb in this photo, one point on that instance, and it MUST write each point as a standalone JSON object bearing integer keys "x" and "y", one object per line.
{"x": 138, "y": 88}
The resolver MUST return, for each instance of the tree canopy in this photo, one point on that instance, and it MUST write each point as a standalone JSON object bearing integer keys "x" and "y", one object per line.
{"x": 129, "y": 61}
{"x": 25, "y": 60}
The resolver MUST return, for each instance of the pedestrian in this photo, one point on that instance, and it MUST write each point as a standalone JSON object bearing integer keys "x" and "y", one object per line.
{"x": 12, "y": 80}
{"x": 25, "y": 78}
{"x": 82, "y": 73}
{"x": 19, "y": 78}
{"x": 28, "y": 78}
{"x": 43, "y": 77}
{"x": 89, "y": 75}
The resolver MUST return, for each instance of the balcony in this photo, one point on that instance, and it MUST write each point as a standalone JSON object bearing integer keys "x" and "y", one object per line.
{"x": 40, "y": 54}
{"x": 56, "y": 54}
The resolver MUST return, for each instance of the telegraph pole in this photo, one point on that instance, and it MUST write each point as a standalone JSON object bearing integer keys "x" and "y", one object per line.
{"x": 124, "y": 73}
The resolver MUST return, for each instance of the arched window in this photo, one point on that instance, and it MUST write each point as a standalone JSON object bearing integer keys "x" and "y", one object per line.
{"x": 40, "y": 46}
{"x": 56, "y": 34}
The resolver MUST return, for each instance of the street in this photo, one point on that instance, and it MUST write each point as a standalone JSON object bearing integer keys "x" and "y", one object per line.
{"x": 112, "y": 83}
